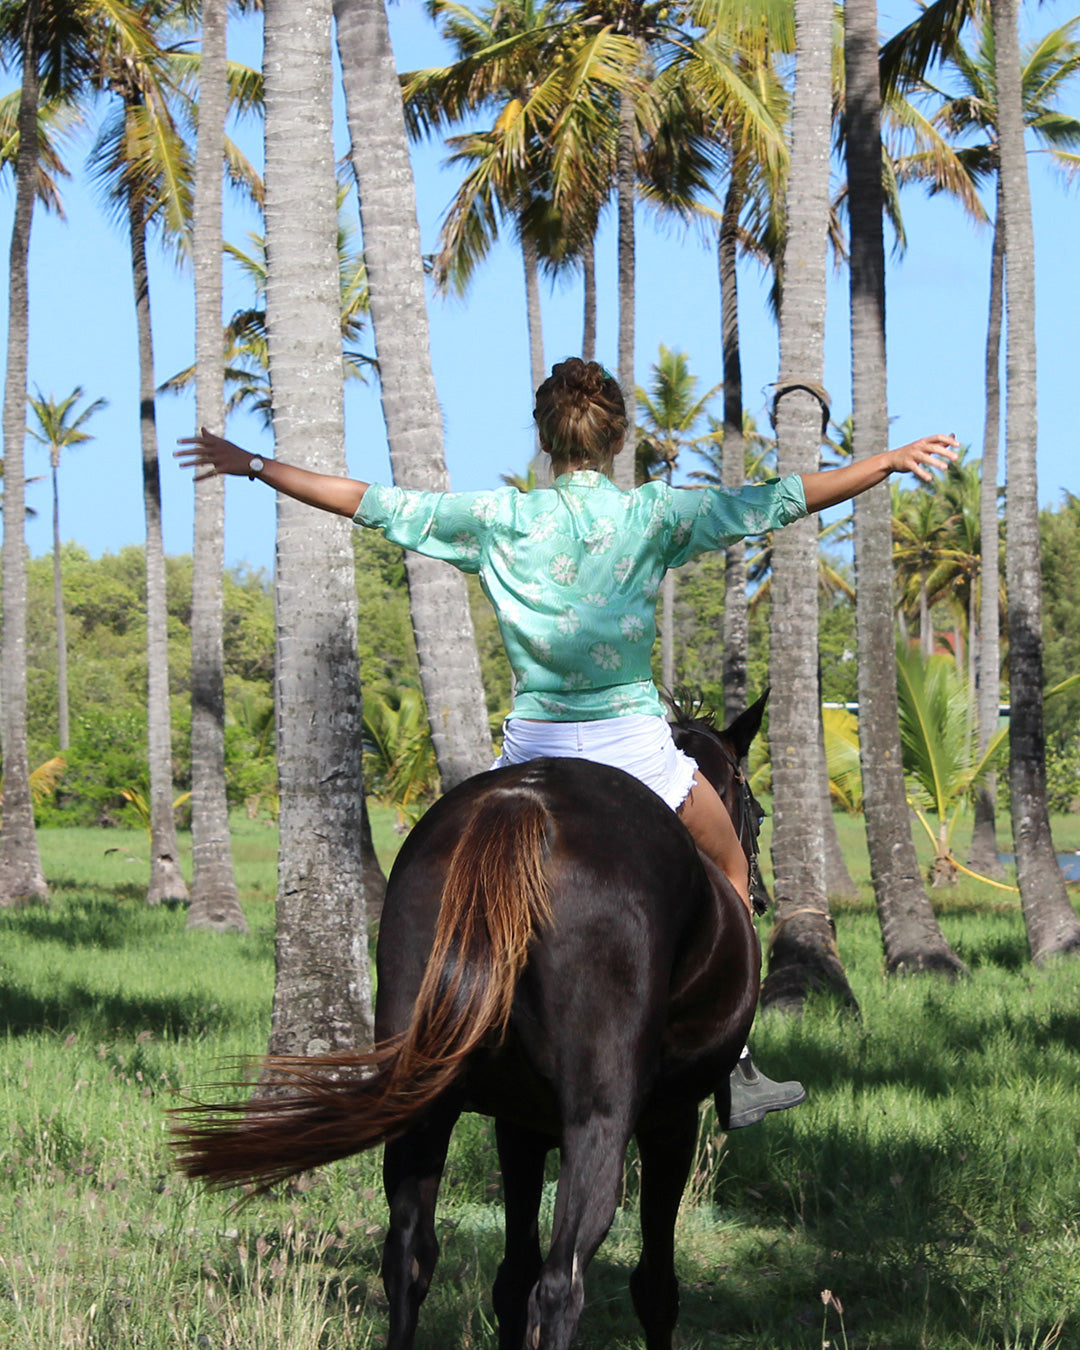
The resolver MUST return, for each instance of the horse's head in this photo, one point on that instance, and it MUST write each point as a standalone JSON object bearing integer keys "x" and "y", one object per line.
{"x": 719, "y": 755}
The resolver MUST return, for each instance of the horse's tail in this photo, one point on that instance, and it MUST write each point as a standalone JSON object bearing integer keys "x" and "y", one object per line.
{"x": 495, "y": 896}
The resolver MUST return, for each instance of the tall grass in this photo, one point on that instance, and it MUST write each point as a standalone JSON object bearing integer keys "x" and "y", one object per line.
{"x": 930, "y": 1184}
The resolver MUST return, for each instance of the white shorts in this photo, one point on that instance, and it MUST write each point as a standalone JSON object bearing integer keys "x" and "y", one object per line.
{"x": 639, "y": 744}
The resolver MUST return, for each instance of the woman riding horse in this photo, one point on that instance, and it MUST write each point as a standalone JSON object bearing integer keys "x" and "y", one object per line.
{"x": 554, "y": 953}
{"x": 573, "y": 572}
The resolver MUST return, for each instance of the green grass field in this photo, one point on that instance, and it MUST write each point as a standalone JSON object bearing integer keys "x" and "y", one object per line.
{"x": 931, "y": 1182}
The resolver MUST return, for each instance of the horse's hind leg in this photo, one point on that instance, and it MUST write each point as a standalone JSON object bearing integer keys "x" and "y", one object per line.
{"x": 589, "y": 1182}
{"x": 666, "y": 1153}
{"x": 412, "y": 1169}
{"x": 522, "y": 1153}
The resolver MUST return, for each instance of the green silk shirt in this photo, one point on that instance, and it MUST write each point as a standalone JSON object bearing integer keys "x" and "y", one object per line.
{"x": 573, "y": 572}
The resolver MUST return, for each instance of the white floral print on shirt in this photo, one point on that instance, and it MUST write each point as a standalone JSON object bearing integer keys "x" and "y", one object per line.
{"x": 578, "y": 618}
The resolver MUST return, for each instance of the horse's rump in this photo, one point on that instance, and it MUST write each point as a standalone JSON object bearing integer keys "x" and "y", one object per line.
{"x": 493, "y": 896}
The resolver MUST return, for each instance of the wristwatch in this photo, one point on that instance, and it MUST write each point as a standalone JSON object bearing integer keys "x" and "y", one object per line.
{"x": 255, "y": 465}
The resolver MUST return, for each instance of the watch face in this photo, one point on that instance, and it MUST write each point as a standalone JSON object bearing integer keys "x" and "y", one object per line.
{"x": 256, "y": 465}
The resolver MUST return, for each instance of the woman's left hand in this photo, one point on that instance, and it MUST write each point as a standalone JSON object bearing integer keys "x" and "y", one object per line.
{"x": 931, "y": 452}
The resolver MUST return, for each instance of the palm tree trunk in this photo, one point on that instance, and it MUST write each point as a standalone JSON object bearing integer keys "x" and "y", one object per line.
{"x": 63, "y": 717}
{"x": 625, "y": 471}
{"x": 803, "y": 954}
{"x": 541, "y": 463}
{"x": 322, "y": 993}
{"x": 912, "y": 937}
{"x": 214, "y": 899}
{"x": 166, "y": 880}
{"x": 838, "y": 881}
{"x": 445, "y": 639}
{"x": 983, "y": 855}
{"x": 1052, "y": 926}
{"x": 926, "y": 624}
{"x": 588, "y": 333}
{"x": 736, "y": 633}
{"x": 22, "y": 880}
{"x": 667, "y": 631}
{"x": 531, "y": 263}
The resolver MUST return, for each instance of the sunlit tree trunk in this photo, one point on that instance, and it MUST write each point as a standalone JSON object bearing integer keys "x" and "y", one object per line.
{"x": 531, "y": 262}
{"x": 588, "y": 322}
{"x": 736, "y": 635}
{"x": 983, "y": 856}
{"x": 214, "y": 900}
{"x": 540, "y": 463}
{"x": 912, "y": 937}
{"x": 803, "y": 954}
{"x": 1052, "y": 925}
{"x": 445, "y": 640}
{"x": 166, "y": 880}
{"x": 667, "y": 631}
{"x": 322, "y": 994}
{"x": 22, "y": 880}
{"x": 63, "y": 715}
{"x": 626, "y": 191}
{"x": 838, "y": 880}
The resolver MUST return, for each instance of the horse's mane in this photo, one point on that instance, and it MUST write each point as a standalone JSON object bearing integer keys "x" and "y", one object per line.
{"x": 688, "y": 709}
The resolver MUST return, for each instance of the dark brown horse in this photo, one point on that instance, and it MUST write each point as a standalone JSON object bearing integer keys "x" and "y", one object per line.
{"x": 553, "y": 953}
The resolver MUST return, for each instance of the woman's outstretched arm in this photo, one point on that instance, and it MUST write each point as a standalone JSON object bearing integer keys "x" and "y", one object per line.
{"x": 215, "y": 455}
{"x": 839, "y": 485}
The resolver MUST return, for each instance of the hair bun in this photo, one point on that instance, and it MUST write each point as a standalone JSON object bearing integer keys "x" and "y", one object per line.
{"x": 580, "y": 411}
{"x": 585, "y": 379}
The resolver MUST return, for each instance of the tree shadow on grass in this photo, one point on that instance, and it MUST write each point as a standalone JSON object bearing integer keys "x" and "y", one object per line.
{"x": 1006, "y": 952}
{"x": 908, "y": 1270}
{"x": 91, "y": 1013}
{"x": 101, "y": 917}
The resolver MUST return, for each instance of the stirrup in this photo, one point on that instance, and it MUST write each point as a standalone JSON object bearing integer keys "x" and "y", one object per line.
{"x": 753, "y": 1095}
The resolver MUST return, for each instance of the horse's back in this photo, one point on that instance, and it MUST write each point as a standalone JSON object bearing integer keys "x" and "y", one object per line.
{"x": 627, "y": 894}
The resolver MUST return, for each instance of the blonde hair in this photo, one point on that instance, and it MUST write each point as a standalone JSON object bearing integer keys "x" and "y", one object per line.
{"x": 581, "y": 414}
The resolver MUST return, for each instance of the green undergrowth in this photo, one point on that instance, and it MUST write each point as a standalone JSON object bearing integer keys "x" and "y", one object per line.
{"x": 929, "y": 1188}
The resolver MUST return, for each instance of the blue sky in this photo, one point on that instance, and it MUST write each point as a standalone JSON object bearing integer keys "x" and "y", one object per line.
{"x": 83, "y": 333}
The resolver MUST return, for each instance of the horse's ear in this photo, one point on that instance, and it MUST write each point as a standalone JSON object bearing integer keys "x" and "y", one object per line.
{"x": 746, "y": 726}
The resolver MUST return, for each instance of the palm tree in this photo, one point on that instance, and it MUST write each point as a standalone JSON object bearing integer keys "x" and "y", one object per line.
{"x": 911, "y": 934}
{"x": 214, "y": 900}
{"x": 57, "y": 119}
{"x": 445, "y": 640}
{"x": 22, "y": 879}
{"x": 803, "y": 954}
{"x": 1052, "y": 925}
{"x": 670, "y": 411}
{"x": 669, "y": 124}
{"x": 545, "y": 165}
{"x": 142, "y": 161}
{"x": 246, "y": 373}
{"x": 971, "y": 109}
{"x": 521, "y": 61}
{"x": 246, "y": 364}
{"x": 958, "y": 576}
{"x": 322, "y": 994}
{"x": 750, "y": 222}
{"x": 920, "y": 522}
{"x": 42, "y": 42}
{"x": 940, "y": 756}
{"x": 56, "y": 431}
{"x": 579, "y": 112}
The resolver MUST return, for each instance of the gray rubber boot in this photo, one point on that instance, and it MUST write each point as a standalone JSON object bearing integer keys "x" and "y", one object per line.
{"x": 753, "y": 1095}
